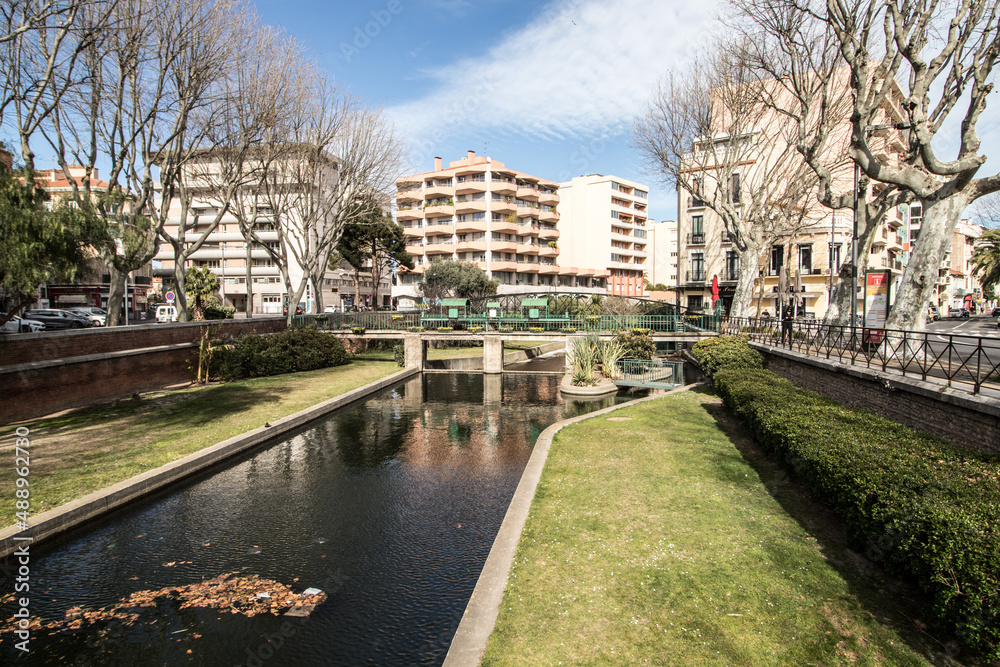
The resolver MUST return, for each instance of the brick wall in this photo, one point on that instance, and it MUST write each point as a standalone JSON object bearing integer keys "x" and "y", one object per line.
{"x": 45, "y": 388}
{"x": 963, "y": 419}
{"x": 26, "y": 348}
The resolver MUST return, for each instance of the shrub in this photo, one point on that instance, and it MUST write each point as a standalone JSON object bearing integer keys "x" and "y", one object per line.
{"x": 445, "y": 329}
{"x": 358, "y": 331}
{"x": 415, "y": 329}
{"x": 217, "y": 312}
{"x": 726, "y": 352}
{"x": 398, "y": 355}
{"x": 291, "y": 351}
{"x": 921, "y": 506}
{"x": 636, "y": 345}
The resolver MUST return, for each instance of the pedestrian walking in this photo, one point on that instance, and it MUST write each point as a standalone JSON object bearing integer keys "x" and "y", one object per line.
{"x": 786, "y": 325}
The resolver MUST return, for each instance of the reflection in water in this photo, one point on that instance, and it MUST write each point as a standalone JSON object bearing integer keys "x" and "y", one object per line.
{"x": 390, "y": 506}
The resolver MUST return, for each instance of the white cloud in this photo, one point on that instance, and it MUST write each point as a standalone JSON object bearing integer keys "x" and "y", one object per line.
{"x": 582, "y": 68}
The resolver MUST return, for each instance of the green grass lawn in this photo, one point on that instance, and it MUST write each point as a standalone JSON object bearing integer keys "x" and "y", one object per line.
{"x": 86, "y": 450}
{"x": 661, "y": 535}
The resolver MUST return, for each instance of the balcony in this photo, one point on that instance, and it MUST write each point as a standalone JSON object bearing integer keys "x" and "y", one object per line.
{"x": 440, "y": 230}
{"x": 415, "y": 250}
{"x": 471, "y": 246}
{"x": 546, "y": 251}
{"x": 504, "y": 226}
{"x": 548, "y": 233}
{"x": 503, "y": 206}
{"x": 548, "y": 269}
{"x": 439, "y": 249}
{"x": 432, "y": 191}
{"x": 526, "y": 211}
{"x": 528, "y": 230}
{"x": 503, "y": 246}
{"x": 694, "y": 276}
{"x": 462, "y": 227}
{"x": 414, "y": 194}
{"x": 696, "y": 239}
{"x": 503, "y": 266}
{"x": 529, "y": 192}
{"x": 730, "y": 277}
{"x": 409, "y": 213}
{"x": 503, "y": 187}
{"x": 549, "y": 198}
{"x": 727, "y": 238}
{"x": 549, "y": 216}
{"x": 528, "y": 249}
{"x": 439, "y": 210}
{"x": 469, "y": 206}
{"x": 471, "y": 186}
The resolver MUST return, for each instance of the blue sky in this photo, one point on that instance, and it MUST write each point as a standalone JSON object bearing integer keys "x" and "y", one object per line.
{"x": 549, "y": 88}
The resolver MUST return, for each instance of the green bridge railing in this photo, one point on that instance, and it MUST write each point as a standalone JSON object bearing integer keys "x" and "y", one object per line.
{"x": 388, "y": 321}
{"x": 651, "y": 373}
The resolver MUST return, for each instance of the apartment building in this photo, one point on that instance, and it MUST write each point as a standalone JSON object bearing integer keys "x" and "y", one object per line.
{"x": 478, "y": 210}
{"x": 663, "y": 235}
{"x": 93, "y": 285}
{"x": 604, "y": 223}
{"x": 228, "y": 254}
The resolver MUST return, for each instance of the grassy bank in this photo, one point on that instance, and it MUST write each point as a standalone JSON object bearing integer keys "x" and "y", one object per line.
{"x": 660, "y": 534}
{"x": 86, "y": 450}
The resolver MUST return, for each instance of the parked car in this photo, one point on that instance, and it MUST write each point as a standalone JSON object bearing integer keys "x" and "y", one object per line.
{"x": 996, "y": 312}
{"x": 18, "y": 325}
{"x": 166, "y": 314}
{"x": 95, "y": 319}
{"x": 933, "y": 314}
{"x": 58, "y": 319}
{"x": 93, "y": 311}
{"x": 299, "y": 309}
{"x": 958, "y": 312}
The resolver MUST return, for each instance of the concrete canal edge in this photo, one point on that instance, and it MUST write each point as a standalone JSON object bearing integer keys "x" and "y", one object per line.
{"x": 66, "y": 517}
{"x": 481, "y": 613}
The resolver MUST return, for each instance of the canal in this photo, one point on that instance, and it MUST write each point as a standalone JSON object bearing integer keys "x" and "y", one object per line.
{"x": 388, "y": 506}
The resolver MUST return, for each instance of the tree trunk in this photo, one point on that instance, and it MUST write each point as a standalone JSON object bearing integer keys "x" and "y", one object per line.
{"x": 180, "y": 294}
{"x": 318, "y": 292}
{"x": 909, "y": 310}
{"x": 357, "y": 289}
{"x": 116, "y": 295}
{"x": 249, "y": 277}
{"x": 743, "y": 298}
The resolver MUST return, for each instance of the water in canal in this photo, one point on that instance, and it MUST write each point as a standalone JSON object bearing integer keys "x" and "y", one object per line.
{"x": 390, "y": 506}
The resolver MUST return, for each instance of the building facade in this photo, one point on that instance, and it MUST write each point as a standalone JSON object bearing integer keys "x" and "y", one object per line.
{"x": 228, "y": 253}
{"x": 604, "y": 226}
{"x": 478, "y": 210}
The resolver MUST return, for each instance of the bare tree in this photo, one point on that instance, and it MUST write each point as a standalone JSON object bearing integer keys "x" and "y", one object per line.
{"x": 797, "y": 64}
{"x": 707, "y": 134}
{"x": 926, "y": 67}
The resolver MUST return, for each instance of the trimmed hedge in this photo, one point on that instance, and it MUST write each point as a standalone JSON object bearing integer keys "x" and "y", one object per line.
{"x": 923, "y": 507}
{"x": 290, "y": 351}
{"x": 726, "y": 352}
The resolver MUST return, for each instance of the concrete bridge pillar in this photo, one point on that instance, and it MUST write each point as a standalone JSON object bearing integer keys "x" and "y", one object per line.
{"x": 414, "y": 351}
{"x": 492, "y": 354}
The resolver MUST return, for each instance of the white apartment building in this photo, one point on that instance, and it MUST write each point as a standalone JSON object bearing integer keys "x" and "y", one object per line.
{"x": 227, "y": 253}
{"x": 664, "y": 243}
{"x": 604, "y": 227}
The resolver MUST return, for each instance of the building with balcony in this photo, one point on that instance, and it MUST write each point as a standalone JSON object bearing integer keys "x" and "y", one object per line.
{"x": 93, "y": 285}
{"x": 228, "y": 253}
{"x": 478, "y": 210}
{"x": 664, "y": 244}
{"x": 605, "y": 226}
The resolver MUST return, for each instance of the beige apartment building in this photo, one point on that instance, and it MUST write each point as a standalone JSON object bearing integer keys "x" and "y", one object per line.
{"x": 664, "y": 242}
{"x": 478, "y": 210}
{"x": 604, "y": 221}
{"x": 809, "y": 243}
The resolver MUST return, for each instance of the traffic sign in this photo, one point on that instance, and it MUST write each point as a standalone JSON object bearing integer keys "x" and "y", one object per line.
{"x": 169, "y": 296}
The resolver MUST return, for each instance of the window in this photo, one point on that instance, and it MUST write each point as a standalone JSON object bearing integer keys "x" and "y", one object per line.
{"x": 640, "y": 233}
{"x": 805, "y": 258}
{"x": 478, "y": 216}
{"x": 696, "y": 200}
{"x": 695, "y": 301}
{"x": 732, "y": 266}
{"x": 697, "y": 267}
{"x": 777, "y": 259}
{"x": 210, "y": 263}
{"x": 835, "y": 257}
{"x": 697, "y": 229}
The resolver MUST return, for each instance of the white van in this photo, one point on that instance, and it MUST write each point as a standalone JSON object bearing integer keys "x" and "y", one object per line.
{"x": 166, "y": 314}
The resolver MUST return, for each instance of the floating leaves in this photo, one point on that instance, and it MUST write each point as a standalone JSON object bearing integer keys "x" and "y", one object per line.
{"x": 247, "y": 595}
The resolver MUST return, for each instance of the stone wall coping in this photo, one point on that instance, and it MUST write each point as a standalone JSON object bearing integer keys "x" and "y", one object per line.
{"x": 94, "y": 331}
{"x": 65, "y": 517}
{"x": 892, "y": 380}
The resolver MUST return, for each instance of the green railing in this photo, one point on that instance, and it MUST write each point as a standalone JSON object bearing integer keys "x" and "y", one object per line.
{"x": 651, "y": 373}
{"x": 388, "y": 321}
